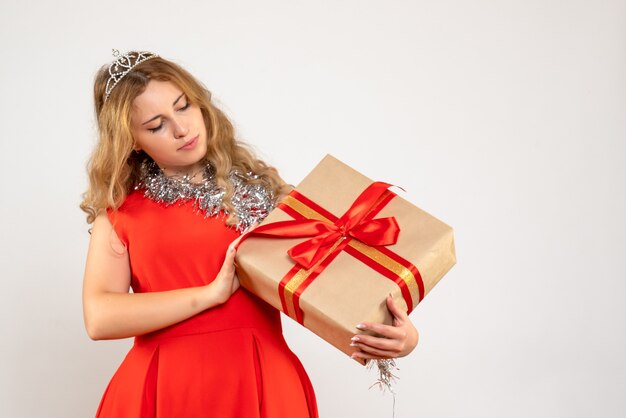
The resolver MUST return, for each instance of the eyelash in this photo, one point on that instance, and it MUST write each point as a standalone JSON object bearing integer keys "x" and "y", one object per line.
{"x": 154, "y": 130}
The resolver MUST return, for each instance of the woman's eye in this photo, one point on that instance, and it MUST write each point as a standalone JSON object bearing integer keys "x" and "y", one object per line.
{"x": 186, "y": 106}
{"x": 153, "y": 130}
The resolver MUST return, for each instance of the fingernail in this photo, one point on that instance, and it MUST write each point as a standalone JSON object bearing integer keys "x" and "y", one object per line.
{"x": 360, "y": 326}
{"x": 352, "y": 345}
{"x": 355, "y": 338}
{"x": 353, "y": 356}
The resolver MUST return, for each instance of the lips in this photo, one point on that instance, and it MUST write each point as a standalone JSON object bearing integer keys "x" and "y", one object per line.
{"x": 190, "y": 144}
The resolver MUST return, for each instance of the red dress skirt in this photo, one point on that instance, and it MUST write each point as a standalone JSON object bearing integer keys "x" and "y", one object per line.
{"x": 228, "y": 361}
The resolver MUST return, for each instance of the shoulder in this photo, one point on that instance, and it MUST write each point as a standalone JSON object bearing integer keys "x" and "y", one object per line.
{"x": 119, "y": 218}
{"x": 132, "y": 201}
{"x": 105, "y": 230}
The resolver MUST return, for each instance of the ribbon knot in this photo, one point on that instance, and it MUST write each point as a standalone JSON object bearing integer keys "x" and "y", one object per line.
{"x": 354, "y": 224}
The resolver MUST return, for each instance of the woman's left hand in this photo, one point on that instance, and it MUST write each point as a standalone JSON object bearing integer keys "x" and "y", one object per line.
{"x": 397, "y": 340}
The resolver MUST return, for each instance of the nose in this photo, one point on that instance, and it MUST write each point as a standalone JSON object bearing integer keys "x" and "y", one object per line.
{"x": 180, "y": 129}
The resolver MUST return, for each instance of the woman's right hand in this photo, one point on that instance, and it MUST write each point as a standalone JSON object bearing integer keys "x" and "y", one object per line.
{"x": 226, "y": 282}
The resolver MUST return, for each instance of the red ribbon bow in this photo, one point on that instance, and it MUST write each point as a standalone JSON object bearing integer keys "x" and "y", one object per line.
{"x": 354, "y": 223}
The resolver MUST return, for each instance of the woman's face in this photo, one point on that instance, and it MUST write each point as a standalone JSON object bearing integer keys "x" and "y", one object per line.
{"x": 168, "y": 128}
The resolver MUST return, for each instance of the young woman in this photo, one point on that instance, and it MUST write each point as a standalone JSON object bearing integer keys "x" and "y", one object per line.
{"x": 170, "y": 191}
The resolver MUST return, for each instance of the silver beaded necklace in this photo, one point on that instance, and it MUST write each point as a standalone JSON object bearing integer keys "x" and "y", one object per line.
{"x": 252, "y": 202}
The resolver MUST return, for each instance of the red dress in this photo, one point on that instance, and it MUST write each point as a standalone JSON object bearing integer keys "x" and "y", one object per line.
{"x": 228, "y": 361}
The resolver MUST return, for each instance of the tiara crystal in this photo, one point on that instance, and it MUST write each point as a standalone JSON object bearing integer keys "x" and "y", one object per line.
{"x": 122, "y": 65}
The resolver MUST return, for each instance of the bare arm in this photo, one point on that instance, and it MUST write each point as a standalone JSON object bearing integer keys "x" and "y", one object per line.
{"x": 110, "y": 311}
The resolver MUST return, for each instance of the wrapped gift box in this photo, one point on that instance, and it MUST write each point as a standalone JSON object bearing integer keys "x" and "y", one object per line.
{"x": 350, "y": 279}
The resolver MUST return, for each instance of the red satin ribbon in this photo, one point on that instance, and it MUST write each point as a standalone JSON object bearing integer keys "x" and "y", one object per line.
{"x": 353, "y": 223}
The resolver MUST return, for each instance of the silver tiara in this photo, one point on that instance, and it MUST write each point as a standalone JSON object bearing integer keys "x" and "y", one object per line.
{"x": 123, "y": 65}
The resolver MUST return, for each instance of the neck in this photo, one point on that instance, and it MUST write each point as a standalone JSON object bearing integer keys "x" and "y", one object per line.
{"x": 193, "y": 172}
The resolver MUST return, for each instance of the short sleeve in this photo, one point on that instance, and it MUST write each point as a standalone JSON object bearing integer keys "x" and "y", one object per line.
{"x": 117, "y": 221}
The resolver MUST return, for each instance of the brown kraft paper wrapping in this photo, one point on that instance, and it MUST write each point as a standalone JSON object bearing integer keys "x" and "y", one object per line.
{"x": 348, "y": 291}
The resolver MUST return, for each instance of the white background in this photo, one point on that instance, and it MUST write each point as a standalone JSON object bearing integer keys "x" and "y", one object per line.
{"x": 505, "y": 119}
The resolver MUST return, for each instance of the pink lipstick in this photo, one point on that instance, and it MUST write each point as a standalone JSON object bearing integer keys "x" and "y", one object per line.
{"x": 190, "y": 145}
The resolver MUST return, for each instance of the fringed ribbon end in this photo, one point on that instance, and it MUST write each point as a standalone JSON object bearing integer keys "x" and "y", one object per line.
{"x": 386, "y": 378}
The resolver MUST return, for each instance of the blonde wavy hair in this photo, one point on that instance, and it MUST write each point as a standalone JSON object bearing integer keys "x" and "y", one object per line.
{"x": 113, "y": 167}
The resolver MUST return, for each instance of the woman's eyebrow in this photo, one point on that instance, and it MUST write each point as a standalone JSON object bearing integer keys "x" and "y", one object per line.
{"x": 158, "y": 116}
{"x": 176, "y": 101}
